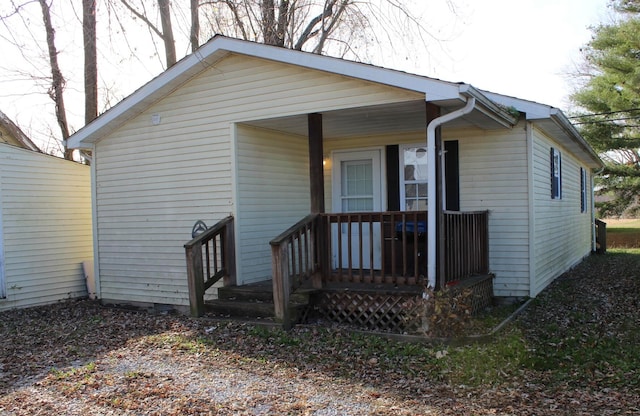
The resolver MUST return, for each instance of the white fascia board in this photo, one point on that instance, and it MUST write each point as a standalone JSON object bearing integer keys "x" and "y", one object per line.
{"x": 220, "y": 46}
{"x": 532, "y": 110}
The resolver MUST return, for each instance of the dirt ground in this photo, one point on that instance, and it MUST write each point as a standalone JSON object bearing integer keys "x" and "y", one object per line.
{"x": 574, "y": 351}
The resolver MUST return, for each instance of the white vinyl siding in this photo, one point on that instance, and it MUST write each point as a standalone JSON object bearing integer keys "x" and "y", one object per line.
{"x": 45, "y": 227}
{"x": 493, "y": 176}
{"x": 155, "y": 181}
{"x": 562, "y": 234}
{"x": 273, "y": 194}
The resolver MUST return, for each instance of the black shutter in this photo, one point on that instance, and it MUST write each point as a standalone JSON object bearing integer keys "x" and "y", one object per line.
{"x": 452, "y": 174}
{"x": 393, "y": 178}
{"x": 552, "y": 169}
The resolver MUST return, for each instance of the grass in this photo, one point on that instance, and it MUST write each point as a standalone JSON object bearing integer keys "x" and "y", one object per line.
{"x": 623, "y": 233}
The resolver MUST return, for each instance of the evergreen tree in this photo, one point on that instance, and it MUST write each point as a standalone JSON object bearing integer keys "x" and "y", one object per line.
{"x": 611, "y": 97}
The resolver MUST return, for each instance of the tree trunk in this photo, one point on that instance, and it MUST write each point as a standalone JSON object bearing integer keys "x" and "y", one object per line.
{"x": 283, "y": 21}
{"x": 90, "y": 60}
{"x": 57, "y": 81}
{"x": 167, "y": 32}
{"x": 269, "y": 32}
{"x": 195, "y": 26}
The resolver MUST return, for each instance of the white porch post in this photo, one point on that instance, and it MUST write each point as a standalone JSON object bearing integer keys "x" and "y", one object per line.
{"x": 431, "y": 188}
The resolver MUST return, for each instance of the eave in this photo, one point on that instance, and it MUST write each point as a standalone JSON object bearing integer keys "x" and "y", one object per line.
{"x": 448, "y": 95}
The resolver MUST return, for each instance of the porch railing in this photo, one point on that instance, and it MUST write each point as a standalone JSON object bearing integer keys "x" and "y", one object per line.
{"x": 210, "y": 257}
{"x": 295, "y": 257}
{"x": 380, "y": 247}
{"x": 466, "y": 245}
{"x": 601, "y": 236}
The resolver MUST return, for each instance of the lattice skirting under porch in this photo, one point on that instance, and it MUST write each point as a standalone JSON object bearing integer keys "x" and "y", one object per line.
{"x": 371, "y": 311}
{"x": 388, "y": 311}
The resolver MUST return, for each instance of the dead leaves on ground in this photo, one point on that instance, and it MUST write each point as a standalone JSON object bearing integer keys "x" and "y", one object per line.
{"x": 575, "y": 351}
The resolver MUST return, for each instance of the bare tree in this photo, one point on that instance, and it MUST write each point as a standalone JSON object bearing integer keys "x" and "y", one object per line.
{"x": 311, "y": 25}
{"x": 56, "y": 92}
{"x": 167, "y": 32}
{"x": 345, "y": 28}
{"x": 90, "y": 60}
{"x": 195, "y": 25}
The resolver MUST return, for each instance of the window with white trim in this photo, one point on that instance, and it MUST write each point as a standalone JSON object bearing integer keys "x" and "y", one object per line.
{"x": 556, "y": 173}
{"x": 413, "y": 178}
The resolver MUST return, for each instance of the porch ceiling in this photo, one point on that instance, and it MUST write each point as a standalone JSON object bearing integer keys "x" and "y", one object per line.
{"x": 380, "y": 119}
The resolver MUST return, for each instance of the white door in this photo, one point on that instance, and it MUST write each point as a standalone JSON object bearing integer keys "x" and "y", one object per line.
{"x": 357, "y": 187}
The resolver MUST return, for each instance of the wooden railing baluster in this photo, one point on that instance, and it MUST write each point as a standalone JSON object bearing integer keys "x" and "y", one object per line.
{"x": 292, "y": 263}
{"x": 200, "y": 275}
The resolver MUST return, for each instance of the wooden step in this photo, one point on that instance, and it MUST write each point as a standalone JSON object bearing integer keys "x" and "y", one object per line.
{"x": 240, "y": 308}
{"x": 261, "y": 292}
{"x": 250, "y": 293}
{"x": 246, "y": 309}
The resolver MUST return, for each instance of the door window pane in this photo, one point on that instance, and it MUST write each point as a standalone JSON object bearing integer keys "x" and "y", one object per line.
{"x": 357, "y": 185}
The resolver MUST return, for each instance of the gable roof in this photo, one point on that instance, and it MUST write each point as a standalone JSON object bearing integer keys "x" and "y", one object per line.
{"x": 448, "y": 95}
{"x": 437, "y": 91}
{"x": 14, "y": 132}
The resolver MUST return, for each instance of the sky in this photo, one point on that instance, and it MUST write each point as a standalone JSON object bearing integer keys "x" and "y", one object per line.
{"x": 521, "y": 48}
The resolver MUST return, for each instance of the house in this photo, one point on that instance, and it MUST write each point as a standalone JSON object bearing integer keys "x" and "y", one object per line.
{"x": 13, "y": 135}
{"x": 45, "y": 223}
{"x": 255, "y": 138}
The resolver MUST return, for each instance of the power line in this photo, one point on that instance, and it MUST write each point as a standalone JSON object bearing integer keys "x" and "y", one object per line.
{"x": 606, "y": 113}
{"x": 609, "y": 120}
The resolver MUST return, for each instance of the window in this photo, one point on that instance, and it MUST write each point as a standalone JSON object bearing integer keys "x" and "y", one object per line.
{"x": 413, "y": 178}
{"x": 357, "y": 185}
{"x": 583, "y": 190}
{"x": 556, "y": 174}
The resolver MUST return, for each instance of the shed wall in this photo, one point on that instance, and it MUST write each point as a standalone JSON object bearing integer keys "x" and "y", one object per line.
{"x": 46, "y": 230}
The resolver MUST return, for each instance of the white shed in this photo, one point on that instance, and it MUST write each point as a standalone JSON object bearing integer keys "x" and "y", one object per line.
{"x": 45, "y": 228}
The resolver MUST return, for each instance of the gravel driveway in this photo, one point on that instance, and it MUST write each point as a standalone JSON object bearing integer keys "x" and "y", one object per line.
{"x": 80, "y": 358}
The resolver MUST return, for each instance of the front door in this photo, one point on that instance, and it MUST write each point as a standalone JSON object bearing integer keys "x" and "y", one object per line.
{"x": 357, "y": 187}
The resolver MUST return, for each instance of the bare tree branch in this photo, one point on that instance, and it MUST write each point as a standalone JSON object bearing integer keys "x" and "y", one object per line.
{"x": 142, "y": 17}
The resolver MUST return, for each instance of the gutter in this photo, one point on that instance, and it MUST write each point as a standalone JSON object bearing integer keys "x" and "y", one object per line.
{"x": 431, "y": 180}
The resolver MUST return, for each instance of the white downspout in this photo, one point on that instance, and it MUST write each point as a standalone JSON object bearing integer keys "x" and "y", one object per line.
{"x": 431, "y": 188}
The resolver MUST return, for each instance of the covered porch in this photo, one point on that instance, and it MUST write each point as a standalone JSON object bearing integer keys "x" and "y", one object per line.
{"x": 384, "y": 247}
{"x": 335, "y": 257}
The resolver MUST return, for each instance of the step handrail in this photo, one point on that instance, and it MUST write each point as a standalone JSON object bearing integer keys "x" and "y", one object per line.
{"x": 210, "y": 257}
{"x": 294, "y": 263}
